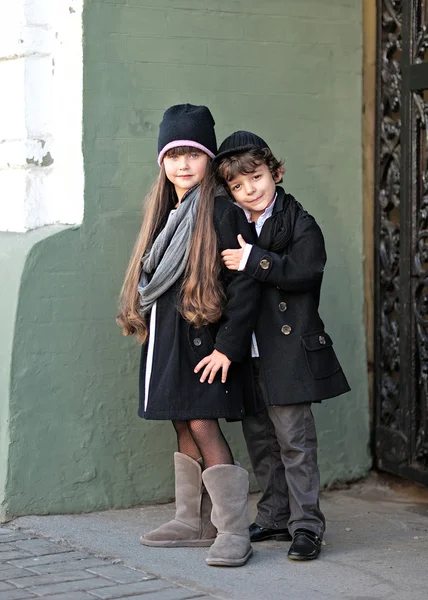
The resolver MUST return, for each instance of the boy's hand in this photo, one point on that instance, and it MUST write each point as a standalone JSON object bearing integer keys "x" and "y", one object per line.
{"x": 232, "y": 258}
{"x": 213, "y": 363}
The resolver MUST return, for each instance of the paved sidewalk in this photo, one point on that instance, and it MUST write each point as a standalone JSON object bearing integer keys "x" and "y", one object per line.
{"x": 376, "y": 547}
{"x": 33, "y": 567}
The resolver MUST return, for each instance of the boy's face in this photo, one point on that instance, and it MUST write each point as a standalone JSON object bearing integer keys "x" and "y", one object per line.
{"x": 254, "y": 191}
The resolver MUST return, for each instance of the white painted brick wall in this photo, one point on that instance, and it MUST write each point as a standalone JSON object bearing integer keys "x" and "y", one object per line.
{"x": 41, "y": 68}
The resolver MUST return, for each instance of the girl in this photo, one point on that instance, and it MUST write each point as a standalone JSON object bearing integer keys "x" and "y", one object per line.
{"x": 192, "y": 315}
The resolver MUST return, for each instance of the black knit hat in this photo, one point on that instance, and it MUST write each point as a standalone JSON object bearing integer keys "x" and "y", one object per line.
{"x": 238, "y": 142}
{"x": 187, "y": 125}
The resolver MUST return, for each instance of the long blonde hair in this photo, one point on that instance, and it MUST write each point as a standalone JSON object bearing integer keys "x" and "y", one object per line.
{"x": 202, "y": 295}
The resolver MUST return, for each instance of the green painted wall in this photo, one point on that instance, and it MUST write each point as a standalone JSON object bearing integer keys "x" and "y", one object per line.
{"x": 14, "y": 249}
{"x": 290, "y": 70}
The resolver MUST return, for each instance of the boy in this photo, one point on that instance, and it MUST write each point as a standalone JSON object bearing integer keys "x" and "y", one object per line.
{"x": 293, "y": 357}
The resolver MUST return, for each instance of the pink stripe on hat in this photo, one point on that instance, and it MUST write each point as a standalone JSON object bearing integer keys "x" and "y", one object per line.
{"x": 178, "y": 143}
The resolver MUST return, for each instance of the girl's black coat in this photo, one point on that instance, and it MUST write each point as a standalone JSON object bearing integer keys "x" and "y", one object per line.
{"x": 175, "y": 391}
{"x": 297, "y": 360}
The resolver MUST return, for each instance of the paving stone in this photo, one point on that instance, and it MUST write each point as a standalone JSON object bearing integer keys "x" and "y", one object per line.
{"x": 16, "y": 595}
{"x": 121, "y": 574}
{"x": 172, "y": 594}
{"x": 26, "y": 582}
{"x": 6, "y": 548}
{"x": 41, "y": 547}
{"x": 121, "y": 591}
{"x": 71, "y": 586}
{"x": 14, "y": 554}
{"x": 9, "y": 530}
{"x": 59, "y": 573}
{"x": 13, "y": 572}
{"x": 5, "y": 586}
{"x": 72, "y": 565}
{"x": 73, "y": 596}
{"x": 12, "y": 536}
{"x": 48, "y": 559}
{"x": 6, "y": 530}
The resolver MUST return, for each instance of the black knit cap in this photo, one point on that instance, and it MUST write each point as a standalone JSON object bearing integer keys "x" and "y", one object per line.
{"x": 238, "y": 142}
{"x": 187, "y": 125}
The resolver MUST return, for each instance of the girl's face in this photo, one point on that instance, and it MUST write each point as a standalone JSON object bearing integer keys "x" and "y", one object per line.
{"x": 185, "y": 170}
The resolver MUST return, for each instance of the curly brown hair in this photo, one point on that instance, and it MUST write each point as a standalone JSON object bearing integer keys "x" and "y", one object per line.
{"x": 246, "y": 162}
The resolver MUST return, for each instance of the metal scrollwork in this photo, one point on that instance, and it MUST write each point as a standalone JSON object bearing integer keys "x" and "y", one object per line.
{"x": 402, "y": 240}
{"x": 420, "y": 297}
{"x": 389, "y": 206}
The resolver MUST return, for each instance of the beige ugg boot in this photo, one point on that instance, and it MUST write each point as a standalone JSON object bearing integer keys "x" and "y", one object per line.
{"x": 192, "y": 524}
{"x": 228, "y": 487}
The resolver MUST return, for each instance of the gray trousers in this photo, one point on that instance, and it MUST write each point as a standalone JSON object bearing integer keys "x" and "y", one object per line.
{"x": 282, "y": 445}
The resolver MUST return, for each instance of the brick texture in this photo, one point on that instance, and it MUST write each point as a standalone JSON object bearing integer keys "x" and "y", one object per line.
{"x": 89, "y": 577}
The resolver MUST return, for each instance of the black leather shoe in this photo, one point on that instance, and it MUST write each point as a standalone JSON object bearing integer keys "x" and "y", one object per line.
{"x": 259, "y": 534}
{"x": 306, "y": 545}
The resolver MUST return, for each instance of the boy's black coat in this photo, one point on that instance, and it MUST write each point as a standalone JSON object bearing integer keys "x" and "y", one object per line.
{"x": 297, "y": 360}
{"x": 175, "y": 390}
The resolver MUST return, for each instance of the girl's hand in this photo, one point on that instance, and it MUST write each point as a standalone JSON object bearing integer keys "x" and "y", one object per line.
{"x": 232, "y": 258}
{"x": 213, "y": 363}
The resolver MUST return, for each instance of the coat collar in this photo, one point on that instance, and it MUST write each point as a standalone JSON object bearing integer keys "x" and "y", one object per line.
{"x": 280, "y": 214}
{"x": 281, "y": 200}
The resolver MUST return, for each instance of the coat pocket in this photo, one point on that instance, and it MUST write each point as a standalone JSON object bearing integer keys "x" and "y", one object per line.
{"x": 200, "y": 341}
{"x": 320, "y": 356}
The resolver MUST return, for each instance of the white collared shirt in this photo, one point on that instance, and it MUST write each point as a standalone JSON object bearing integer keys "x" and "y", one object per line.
{"x": 247, "y": 250}
{"x": 259, "y": 226}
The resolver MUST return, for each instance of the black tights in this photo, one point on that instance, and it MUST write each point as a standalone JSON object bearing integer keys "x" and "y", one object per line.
{"x": 203, "y": 438}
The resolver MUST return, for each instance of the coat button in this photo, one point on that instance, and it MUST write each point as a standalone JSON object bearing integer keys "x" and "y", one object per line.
{"x": 197, "y": 341}
{"x": 265, "y": 264}
{"x": 282, "y": 306}
{"x": 286, "y": 329}
{"x": 321, "y": 339}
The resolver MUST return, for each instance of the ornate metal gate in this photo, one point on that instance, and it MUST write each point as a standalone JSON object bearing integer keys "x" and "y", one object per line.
{"x": 401, "y": 240}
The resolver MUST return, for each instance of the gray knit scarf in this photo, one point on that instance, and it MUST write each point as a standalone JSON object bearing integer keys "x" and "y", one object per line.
{"x": 166, "y": 259}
